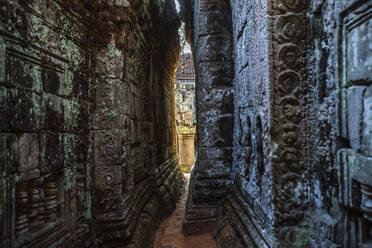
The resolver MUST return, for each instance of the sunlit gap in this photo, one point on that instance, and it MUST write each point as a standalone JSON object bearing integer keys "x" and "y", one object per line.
{"x": 185, "y": 103}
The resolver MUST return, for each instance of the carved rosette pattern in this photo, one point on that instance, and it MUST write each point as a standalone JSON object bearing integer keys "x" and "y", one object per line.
{"x": 288, "y": 24}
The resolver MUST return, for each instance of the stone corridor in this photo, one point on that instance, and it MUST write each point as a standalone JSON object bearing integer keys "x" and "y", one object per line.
{"x": 89, "y": 152}
{"x": 170, "y": 234}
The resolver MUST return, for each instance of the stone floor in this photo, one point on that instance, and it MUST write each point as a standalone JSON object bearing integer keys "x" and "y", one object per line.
{"x": 170, "y": 235}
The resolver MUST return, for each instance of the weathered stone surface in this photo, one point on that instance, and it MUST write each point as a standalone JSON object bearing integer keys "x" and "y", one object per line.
{"x": 301, "y": 81}
{"x": 4, "y": 109}
{"x": 88, "y": 153}
{"x": 87, "y": 121}
{"x": 25, "y": 110}
{"x": 28, "y": 148}
{"x": 51, "y": 148}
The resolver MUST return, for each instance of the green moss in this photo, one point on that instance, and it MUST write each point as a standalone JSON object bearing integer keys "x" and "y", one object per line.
{"x": 186, "y": 168}
{"x": 37, "y": 111}
{"x": 68, "y": 80}
{"x": 41, "y": 31}
{"x": 70, "y": 178}
{"x": 72, "y": 52}
{"x": 113, "y": 51}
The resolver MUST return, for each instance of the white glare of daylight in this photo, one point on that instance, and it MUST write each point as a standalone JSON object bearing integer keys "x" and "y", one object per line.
{"x": 177, "y": 5}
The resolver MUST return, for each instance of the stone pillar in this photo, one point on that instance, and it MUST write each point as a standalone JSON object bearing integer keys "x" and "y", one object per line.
{"x": 187, "y": 149}
{"x": 212, "y": 48}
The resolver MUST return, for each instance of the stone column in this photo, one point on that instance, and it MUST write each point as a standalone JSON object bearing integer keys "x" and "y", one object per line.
{"x": 214, "y": 106}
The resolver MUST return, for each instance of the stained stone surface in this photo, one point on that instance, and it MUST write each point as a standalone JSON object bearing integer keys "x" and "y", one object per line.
{"x": 300, "y": 155}
{"x": 88, "y": 155}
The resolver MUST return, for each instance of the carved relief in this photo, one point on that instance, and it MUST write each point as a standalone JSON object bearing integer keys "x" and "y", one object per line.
{"x": 293, "y": 5}
{"x": 107, "y": 176}
{"x": 38, "y": 208}
{"x": 108, "y": 148}
{"x": 288, "y": 41}
{"x": 289, "y": 55}
{"x": 288, "y": 28}
{"x": 245, "y": 126}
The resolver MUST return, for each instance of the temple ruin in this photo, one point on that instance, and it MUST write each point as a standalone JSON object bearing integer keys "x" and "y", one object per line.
{"x": 89, "y": 143}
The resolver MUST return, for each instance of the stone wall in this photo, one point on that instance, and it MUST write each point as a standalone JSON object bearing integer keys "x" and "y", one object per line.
{"x": 301, "y": 161}
{"x": 339, "y": 170}
{"x": 88, "y": 139}
{"x": 249, "y": 205}
{"x": 212, "y": 48}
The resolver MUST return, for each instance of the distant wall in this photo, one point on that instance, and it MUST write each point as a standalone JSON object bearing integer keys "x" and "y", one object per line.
{"x": 187, "y": 149}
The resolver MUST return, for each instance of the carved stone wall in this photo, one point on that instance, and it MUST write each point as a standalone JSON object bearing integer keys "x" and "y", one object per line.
{"x": 44, "y": 113}
{"x": 341, "y": 163}
{"x": 301, "y": 150}
{"x": 249, "y": 205}
{"x": 88, "y": 139}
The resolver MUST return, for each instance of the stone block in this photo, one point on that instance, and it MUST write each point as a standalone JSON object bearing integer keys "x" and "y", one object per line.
{"x": 53, "y": 112}
{"x": 2, "y": 61}
{"x": 343, "y": 113}
{"x": 107, "y": 176}
{"x": 25, "y": 110}
{"x": 8, "y": 153}
{"x": 108, "y": 147}
{"x": 108, "y": 120}
{"x": 112, "y": 95}
{"x": 220, "y": 100}
{"x": 210, "y": 5}
{"x": 359, "y": 53}
{"x": 110, "y": 61}
{"x": 75, "y": 117}
{"x": 214, "y": 22}
{"x": 52, "y": 153}
{"x": 215, "y": 74}
{"x": 53, "y": 81}
{"x": 367, "y": 123}
{"x": 4, "y": 109}
{"x": 28, "y": 149}
{"x": 218, "y": 159}
{"x": 214, "y": 48}
{"x": 74, "y": 147}
{"x": 354, "y": 115}
{"x": 354, "y": 167}
{"x": 24, "y": 74}
{"x": 215, "y": 130}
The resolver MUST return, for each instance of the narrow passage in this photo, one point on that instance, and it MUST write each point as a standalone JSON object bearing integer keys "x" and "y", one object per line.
{"x": 170, "y": 235}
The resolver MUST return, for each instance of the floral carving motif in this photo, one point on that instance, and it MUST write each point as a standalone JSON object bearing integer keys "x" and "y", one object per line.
{"x": 288, "y": 43}
{"x": 289, "y": 55}
{"x": 294, "y": 5}
{"x": 288, "y": 28}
